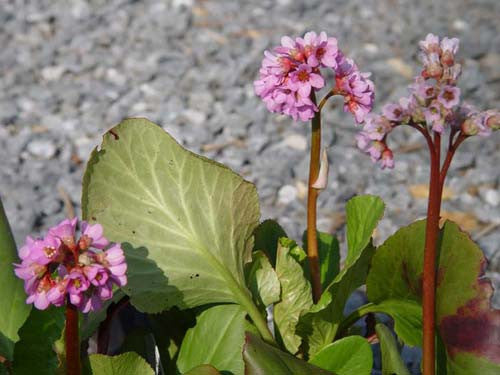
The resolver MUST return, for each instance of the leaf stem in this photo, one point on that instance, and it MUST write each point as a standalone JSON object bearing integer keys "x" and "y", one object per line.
{"x": 353, "y": 317}
{"x": 257, "y": 318}
{"x": 72, "y": 341}
{"x": 312, "y": 197}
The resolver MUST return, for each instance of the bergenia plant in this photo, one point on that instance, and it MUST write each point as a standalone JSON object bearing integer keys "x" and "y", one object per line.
{"x": 290, "y": 76}
{"x": 172, "y": 271}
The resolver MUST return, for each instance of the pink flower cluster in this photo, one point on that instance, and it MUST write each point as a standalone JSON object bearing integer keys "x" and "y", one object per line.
{"x": 58, "y": 268}
{"x": 433, "y": 103}
{"x": 291, "y": 73}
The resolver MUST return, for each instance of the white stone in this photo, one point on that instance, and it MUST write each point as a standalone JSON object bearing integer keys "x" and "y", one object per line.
{"x": 53, "y": 73}
{"x": 42, "y": 148}
{"x": 296, "y": 141}
{"x": 194, "y": 117}
{"x": 491, "y": 196}
{"x": 287, "y": 194}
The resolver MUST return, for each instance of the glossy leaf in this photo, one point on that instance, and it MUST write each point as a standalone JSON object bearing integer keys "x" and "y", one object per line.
{"x": 468, "y": 326}
{"x": 363, "y": 214}
{"x": 319, "y": 326}
{"x": 186, "y": 222}
{"x": 203, "y": 370}
{"x": 261, "y": 358}
{"x": 216, "y": 339}
{"x": 124, "y": 364}
{"x": 262, "y": 280}
{"x": 295, "y": 298}
{"x": 351, "y": 355}
{"x": 267, "y": 235}
{"x": 13, "y": 309}
{"x": 34, "y": 353}
{"x": 392, "y": 363}
{"x": 407, "y": 316}
{"x": 329, "y": 257}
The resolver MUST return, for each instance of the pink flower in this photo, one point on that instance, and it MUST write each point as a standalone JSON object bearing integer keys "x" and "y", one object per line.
{"x": 65, "y": 231}
{"x": 319, "y": 50}
{"x": 56, "y": 268}
{"x": 387, "y": 159}
{"x": 375, "y": 150}
{"x": 430, "y": 43}
{"x": 449, "y": 48}
{"x": 92, "y": 235}
{"x": 393, "y": 112}
{"x": 363, "y": 140}
{"x": 492, "y": 119}
{"x": 449, "y": 96}
{"x": 434, "y": 118}
{"x": 376, "y": 127}
{"x": 358, "y": 93}
{"x": 303, "y": 79}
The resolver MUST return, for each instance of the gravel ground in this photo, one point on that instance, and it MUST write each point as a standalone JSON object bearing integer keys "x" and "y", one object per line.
{"x": 69, "y": 72}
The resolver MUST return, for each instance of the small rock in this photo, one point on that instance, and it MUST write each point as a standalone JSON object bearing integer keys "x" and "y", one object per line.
{"x": 42, "y": 148}
{"x": 53, "y": 73}
{"x": 194, "y": 117}
{"x": 287, "y": 194}
{"x": 296, "y": 141}
{"x": 491, "y": 196}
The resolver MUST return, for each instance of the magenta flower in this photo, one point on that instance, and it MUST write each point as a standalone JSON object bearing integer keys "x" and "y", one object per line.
{"x": 290, "y": 74}
{"x": 304, "y": 79}
{"x": 58, "y": 268}
{"x": 376, "y": 127}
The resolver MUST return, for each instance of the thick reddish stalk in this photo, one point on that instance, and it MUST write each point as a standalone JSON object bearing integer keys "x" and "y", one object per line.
{"x": 72, "y": 341}
{"x": 429, "y": 276}
{"x": 312, "y": 197}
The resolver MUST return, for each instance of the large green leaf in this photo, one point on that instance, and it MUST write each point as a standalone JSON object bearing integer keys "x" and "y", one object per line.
{"x": 186, "y": 222}
{"x": 216, "y": 339}
{"x": 13, "y": 308}
{"x": 351, "y": 355}
{"x": 296, "y": 296}
{"x": 320, "y": 325}
{"x": 392, "y": 363}
{"x": 262, "y": 280}
{"x": 407, "y": 316}
{"x": 203, "y": 370}
{"x": 263, "y": 359}
{"x": 329, "y": 257}
{"x": 363, "y": 214}
{"x": 34, "y": 353}
{"x": 467, "y": 324}
{"x": 124, "y": 364}
{"x": 267, "y": 235}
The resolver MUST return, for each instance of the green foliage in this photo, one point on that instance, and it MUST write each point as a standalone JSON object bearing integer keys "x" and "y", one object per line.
{"x": 124, "y": 364}
{"x": 392, "y": 363}
{"x": 185, "y": 221}
{"x": 467, "y": 324}
{"x": 13, "y": 309}
{"x": 203, "y": 370}
{"x": 329, "y": 257}
{"x": 267, "y": 235}
{"x": 34, "y": 353}
{"x": 351, "y": 355}
{"x": 262, "y": 280}
{"x": 296, "y": 296}
{"x": 261, "y": 358}
{"x": 217, "y": 339}
{"x": 319, "y": 326}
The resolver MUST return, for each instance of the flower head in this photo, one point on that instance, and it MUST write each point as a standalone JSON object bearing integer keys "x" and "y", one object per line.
{"x": 290, "y": 74}
{"x": 58, "y": 267}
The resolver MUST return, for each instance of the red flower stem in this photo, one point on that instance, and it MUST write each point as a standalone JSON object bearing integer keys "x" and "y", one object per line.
{"x": 449, "y": 156}
{"x": 312, "y": 197}
{"x": 429, "y": 273}
{"x": 72, "y": 340}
